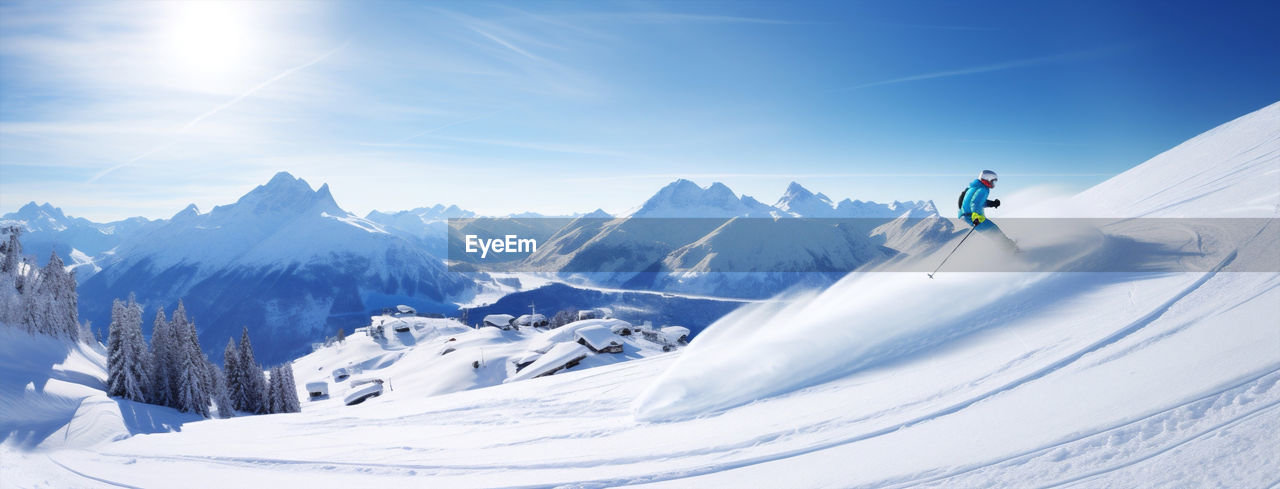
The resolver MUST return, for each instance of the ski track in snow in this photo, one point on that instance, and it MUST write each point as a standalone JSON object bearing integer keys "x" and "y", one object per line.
{"x": 1027, "y": 380}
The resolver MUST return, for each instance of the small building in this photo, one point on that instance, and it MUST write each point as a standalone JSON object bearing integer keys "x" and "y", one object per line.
{"x": 403, "y": 310}
{"x": 621, "y": 329}
{"x": 532, "y": 320}
{"x": 340, "y": 374}
{"x": 645, "y": 327}
{"x": 676, "y": 335}
{"x": 318, "y": 389}
{"x": 359, "y": 394}
{"x": 587, "y": 314}
{"x": 364, "y": 380}
{"x": 562, "y": 356}
{"x": 598, "y": 339}
{"x": 400, "y": 326}
{"x": 525, "y": 360}
{"x": 502, "y": 321}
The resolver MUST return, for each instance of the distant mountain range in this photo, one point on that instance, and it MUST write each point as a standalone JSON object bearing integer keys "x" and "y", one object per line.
{"x": 289, "y": 262}
{"x": 679, "y": 238}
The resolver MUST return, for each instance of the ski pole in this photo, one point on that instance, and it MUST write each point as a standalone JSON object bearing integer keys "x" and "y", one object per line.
{"x": 953, "y": 251}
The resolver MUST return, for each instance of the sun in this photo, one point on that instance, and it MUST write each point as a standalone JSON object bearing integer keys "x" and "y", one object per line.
{"x": 208, "y": 40}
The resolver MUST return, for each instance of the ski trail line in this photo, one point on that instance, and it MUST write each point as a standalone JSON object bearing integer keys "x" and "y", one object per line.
{"x": 1240, "y": 383}
{"x": 90, "y": 477}
{"x": 1204, "y": 433}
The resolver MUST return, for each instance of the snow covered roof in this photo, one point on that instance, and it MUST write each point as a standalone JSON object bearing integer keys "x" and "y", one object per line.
{"x": 359, "y": 393}
{"x": 534, "y": 319}
{"x": 598, "y": 337}
{"x": 499, "y": 319}
{"x": 674, "y": 333}
{"x": 556, "y": 358}
{"x": 405, "y": 309}
{"x": 527, "y": 358}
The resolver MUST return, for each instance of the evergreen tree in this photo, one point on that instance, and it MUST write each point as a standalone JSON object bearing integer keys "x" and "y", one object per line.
{"x": 234, "y": 375}
{"x": 10, "y": 299}
{"x": 133, "y": 358}
{"x": 12, "y": 249}
{"x": 163, "y": 381}
{"x": 115, "y": 350}
{"x": 220, "y": 395}
{"x": 289, "y": 390}
{"x": 193, "y": 381}
{"x": 58, "y": 290}
{"x": 274, "y": 398}
{"x": 255, "y": 383}
{"x": 35, "y": 301}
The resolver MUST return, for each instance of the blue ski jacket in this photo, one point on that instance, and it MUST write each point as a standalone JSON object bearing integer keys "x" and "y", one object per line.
{"x": 975, "y": 199}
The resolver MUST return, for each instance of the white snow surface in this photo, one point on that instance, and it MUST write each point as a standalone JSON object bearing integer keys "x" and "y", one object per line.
{"x": 883, "y": 380}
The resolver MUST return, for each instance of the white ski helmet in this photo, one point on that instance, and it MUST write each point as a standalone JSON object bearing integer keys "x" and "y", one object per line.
{"x": 988, "y": 175}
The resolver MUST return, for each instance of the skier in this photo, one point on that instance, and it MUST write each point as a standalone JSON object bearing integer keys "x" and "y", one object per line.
{"x": 972, "y": 204}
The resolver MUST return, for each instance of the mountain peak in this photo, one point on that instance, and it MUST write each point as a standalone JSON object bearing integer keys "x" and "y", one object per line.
{"x": 597, "y": 214}
{"x": 803, "y": 202}
{"x": 284, "y": 193}
{"x": 683, "y": 198}
{"x": 189, "y": 211}
{"x": 283, "y": 177}
{"x": 794, "y": 188}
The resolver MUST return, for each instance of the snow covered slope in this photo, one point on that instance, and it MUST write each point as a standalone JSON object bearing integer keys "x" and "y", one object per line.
{"x": 52, "y": 395}
{"x": 1230, "y": 171}
{"x": 884, "y": 380}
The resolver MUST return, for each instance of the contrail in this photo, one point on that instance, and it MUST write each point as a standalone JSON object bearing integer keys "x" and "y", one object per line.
{"x": 973, "y": 70}
{"x": 149, "y": 152}
{"x": 220, "y": 108}
{"x": 260, "y": 86}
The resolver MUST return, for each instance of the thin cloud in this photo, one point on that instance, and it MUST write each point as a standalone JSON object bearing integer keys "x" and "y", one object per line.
{"x": 504, "y": 43}
{"x": 260, "y": 86}
{"x": 681, "y": 18}
{"x": 448, "y": 125}
{"x": 282, "y": 75}
{"x": 131, "y": 161}
{"x": 973, "y": 70}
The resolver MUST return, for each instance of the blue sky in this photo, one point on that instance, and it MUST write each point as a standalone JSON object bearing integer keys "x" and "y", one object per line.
{"x": 119, "y": 109}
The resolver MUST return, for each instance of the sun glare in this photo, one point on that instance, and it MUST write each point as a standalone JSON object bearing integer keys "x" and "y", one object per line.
{"x": 209, "y": 40}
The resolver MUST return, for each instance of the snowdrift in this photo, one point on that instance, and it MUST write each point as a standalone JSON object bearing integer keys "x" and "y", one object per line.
{"x": 871, "y": 319}
{"x": 52, "y": 395}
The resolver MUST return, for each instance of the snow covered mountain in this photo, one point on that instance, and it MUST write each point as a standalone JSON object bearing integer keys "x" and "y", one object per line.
{"x": 711, "y": 241}
{"x": 426, "y": 225}
{"x": 798, "y": 201}
{"x": 1134, "y": 379}
{"x": 80, "y": 242}
{"x": 284, "y": 259}
{"x": 683, "y": 198}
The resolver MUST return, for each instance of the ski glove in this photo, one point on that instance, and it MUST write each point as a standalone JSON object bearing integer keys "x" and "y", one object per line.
{"x": 977, "y": 218}
{"x": 993, "y": 203}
